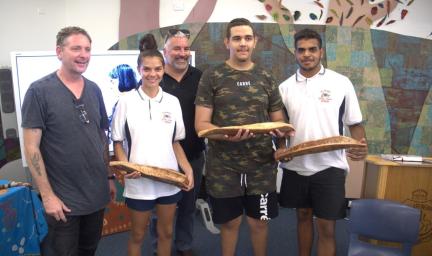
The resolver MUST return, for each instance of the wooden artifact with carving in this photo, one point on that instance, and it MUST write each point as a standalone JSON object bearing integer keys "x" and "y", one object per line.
{"x": 155, "y": 173}
{"x": 318, "y": 146}
{"x": 257, "y": 128}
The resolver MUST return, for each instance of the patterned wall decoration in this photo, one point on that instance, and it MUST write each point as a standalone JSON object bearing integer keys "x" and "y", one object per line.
{"x": 391, "y": 74}
{"x": 405, "y": 64}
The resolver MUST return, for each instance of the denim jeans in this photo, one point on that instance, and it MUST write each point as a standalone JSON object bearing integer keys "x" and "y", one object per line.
{"x": 184, "y": 224}
{"x": 78, "y": 236}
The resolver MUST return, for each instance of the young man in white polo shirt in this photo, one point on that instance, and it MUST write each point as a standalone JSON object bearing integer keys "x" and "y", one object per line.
{"x": 319, "y": 103}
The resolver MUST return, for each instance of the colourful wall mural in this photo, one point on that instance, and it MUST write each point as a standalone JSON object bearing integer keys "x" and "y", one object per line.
{"x": 391, "y": 73}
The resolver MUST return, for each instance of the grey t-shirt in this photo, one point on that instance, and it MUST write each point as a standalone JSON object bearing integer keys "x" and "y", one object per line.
{"x": 71, "y": 147}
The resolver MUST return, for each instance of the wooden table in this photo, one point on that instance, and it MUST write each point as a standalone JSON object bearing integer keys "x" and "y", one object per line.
{"x": 406, "y": 182}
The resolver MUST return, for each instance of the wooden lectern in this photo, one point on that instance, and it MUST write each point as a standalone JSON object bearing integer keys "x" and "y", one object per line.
{"x": 407, "y": 182}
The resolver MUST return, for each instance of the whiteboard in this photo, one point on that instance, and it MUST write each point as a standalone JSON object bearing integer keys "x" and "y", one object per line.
{"x": 28, "y": 67}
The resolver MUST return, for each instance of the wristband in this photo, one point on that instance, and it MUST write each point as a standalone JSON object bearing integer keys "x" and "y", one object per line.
{"x": 111, "y": 177}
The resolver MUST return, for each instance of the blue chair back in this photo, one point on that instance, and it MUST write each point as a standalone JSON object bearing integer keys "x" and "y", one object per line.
{"x": 385, "y": 221}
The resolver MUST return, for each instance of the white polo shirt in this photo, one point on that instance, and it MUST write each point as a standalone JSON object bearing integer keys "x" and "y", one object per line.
{"x": 150, "y": 126}
{"x": 319, "y": 107}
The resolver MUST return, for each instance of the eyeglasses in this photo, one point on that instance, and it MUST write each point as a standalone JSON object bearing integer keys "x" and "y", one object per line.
{"x": 82, "y": 113}
{"x": 174, "y": 32}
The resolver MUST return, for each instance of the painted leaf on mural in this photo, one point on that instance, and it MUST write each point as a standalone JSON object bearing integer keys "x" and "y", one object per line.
{"x": 268, "y": 7}
{"x": 313, "y": 16}
{"x": 381, "y": 21}
{"x": 334, "y": 13}
{"x": 329, "y": 19}
{"x": 261, "y": 17}
{"x": 357, "y": 20}
{"x": 390, "y": 22}
{"x": 297, "y": 15}
{"x": 349, "y": 12}
{"x": 374, "y": 10}
{"x": 319, "y": 4}
{"x": 404, "y": 12}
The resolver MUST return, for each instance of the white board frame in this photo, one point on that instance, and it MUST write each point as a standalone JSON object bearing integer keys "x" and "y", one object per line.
{"x": 101, "y": 63}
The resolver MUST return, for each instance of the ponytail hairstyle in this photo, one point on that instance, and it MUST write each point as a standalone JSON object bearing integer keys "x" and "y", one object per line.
{"x": 148, "y": 48}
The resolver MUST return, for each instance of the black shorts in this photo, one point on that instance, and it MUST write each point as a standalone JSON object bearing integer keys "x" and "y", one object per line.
{"x": 324, "y": 192}
{"x": 147, "y": 205}
{"x": 262, "y": 207}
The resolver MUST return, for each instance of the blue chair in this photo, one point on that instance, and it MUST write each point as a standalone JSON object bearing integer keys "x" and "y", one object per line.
{"x": 384, "y": 221}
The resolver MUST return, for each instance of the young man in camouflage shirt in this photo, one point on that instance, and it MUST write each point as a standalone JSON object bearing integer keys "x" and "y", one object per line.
{"x": 240, "y": 170}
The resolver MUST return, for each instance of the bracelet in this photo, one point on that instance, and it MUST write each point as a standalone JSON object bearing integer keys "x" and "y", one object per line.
{"x": 112, "y": 177}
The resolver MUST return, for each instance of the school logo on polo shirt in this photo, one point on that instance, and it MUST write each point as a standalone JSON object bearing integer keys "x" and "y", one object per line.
{"x": 167, "y": 117}
{"x": 325, "y": 96}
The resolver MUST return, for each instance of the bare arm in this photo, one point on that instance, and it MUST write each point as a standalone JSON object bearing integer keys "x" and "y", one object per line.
{"x": 119, "y": 152}
{"x": 184, "y": 164}
{"x": 357, "y": 132}
{"x": 106, "y": 149}
{"x": 203, "y": 117}
{"x": 120, "y": 155}
{"x": 53, "y": 205}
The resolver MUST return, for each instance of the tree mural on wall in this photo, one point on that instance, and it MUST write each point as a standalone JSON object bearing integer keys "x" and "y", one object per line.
{"x": 350, "y": 50}
{"x": 390, "y": 77}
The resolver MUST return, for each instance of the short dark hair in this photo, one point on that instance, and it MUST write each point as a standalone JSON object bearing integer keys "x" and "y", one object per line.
{"x": 148, "y": 48}
{"x": 307, "y": 34}
{"x": 68, "y": 31}
{"x": 238, "y": 22}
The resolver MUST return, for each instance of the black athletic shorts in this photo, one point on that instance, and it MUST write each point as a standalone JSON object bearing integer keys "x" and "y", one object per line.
{"x": 262, "y": 207}
{"x": 323, "y": 191}
{"x": 143, "y": 205}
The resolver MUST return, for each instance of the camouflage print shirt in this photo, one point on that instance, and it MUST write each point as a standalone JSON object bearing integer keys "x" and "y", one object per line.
{"x": 238, "y": 98}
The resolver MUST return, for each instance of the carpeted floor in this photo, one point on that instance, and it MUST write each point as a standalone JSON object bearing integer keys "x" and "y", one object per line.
{"x": 282, "y": 239}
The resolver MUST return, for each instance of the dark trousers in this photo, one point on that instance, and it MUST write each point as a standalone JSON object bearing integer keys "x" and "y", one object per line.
{"x": 79, "y": 236}
{"x": 186, "y": 209}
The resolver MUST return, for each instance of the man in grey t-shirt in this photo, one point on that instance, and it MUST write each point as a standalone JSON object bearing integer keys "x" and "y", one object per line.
{"x": 64, "y": 123}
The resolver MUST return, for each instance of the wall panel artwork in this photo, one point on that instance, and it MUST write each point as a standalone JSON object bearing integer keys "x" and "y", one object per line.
{"x": 391, "y": 73}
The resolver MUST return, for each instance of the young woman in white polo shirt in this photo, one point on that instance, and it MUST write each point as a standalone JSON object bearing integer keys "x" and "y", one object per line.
{"x": 151, "y": 122}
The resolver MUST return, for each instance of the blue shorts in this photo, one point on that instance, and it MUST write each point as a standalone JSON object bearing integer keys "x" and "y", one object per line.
{"x": 147, "y": 205}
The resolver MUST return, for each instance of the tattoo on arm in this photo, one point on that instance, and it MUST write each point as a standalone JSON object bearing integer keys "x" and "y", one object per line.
{"x": 35, "y": 162}
{"x": 106, "y": 147}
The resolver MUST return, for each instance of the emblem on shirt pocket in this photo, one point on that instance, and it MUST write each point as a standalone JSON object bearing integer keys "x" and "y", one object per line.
{"x": 166, "y": 117}
{"x": 325, "y": 96}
